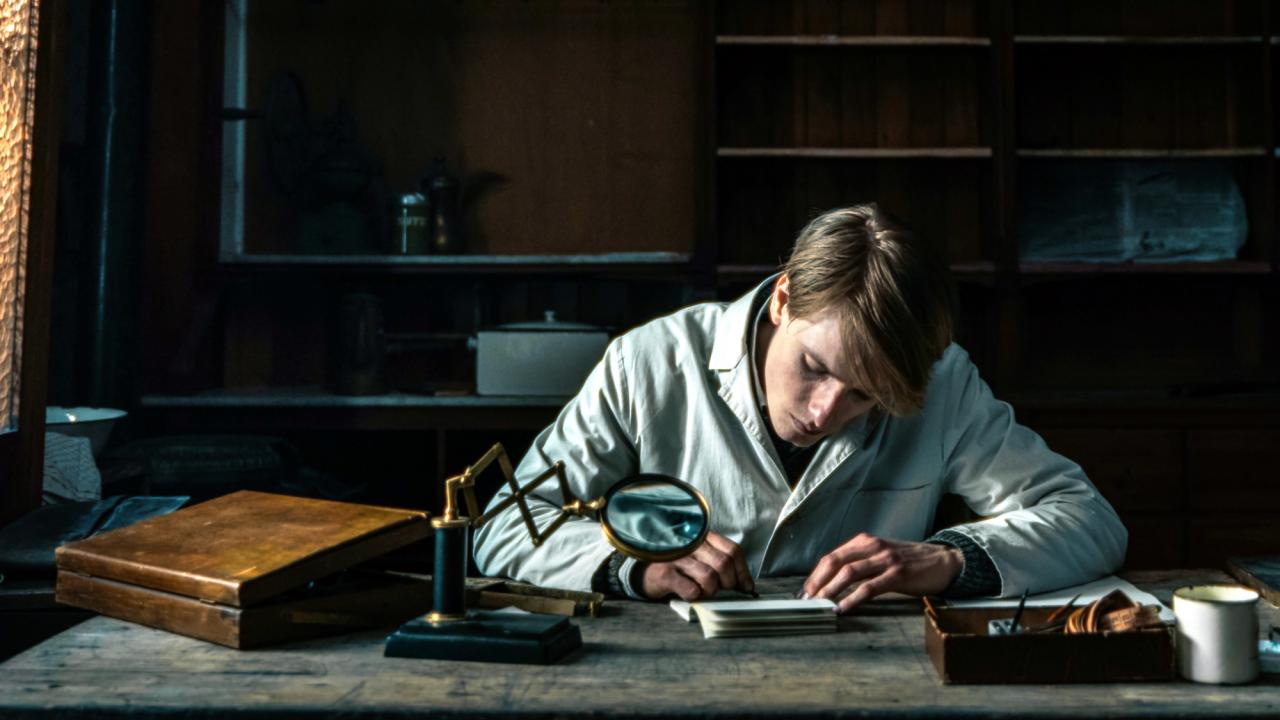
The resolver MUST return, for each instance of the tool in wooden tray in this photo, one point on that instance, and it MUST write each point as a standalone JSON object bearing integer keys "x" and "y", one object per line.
{"x": 1114, "y": 612}
{"x": 1057, "y": 619}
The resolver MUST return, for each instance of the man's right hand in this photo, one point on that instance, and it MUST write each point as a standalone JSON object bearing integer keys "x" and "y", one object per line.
{"x": 717, "y": 564}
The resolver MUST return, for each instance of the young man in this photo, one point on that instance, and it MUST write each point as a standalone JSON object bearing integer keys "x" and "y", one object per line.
{"x": 822, "y": 415}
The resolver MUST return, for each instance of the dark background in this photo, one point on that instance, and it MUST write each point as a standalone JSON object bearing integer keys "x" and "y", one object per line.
{"x": 712, "y": 131}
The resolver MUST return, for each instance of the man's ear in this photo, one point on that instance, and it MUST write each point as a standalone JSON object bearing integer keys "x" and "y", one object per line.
{"x": 778, "y": 299}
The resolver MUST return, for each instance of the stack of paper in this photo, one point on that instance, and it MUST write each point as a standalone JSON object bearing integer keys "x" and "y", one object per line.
{"x": 740, "y": 618}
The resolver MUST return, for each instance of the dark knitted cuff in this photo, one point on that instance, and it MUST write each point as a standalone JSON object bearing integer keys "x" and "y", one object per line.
{"x": 979, "y": 577}
{"x": 606, "y": 577}
{"x": 637, "y": 580}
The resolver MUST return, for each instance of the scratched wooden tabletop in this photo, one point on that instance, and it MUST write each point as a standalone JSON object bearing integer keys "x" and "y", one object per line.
{"x": 638, "y": 660}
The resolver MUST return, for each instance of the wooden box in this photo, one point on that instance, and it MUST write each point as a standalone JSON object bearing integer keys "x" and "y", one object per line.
{"x": 249, "y": 569}
{"x": 963, "y": 652}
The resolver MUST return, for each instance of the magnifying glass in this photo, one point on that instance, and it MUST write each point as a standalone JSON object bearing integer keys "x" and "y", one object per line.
{"x": 654, "y": 518}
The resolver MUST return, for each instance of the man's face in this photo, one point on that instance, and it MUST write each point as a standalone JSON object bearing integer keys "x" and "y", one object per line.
{"x": 806, "y": 378}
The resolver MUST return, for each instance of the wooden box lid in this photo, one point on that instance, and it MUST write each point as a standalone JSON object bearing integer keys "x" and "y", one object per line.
{"x": 244, "y": 548}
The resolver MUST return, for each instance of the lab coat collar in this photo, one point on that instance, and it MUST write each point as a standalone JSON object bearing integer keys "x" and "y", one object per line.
{"x": 730, "y": 358}
{"x": 733, "y": 330}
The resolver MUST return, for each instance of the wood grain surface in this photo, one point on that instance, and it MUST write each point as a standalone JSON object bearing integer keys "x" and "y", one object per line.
{"x": 244, "y": 547}
{"x": 362, "y": 601}
{"x": 1259, "y": 573}
{"x": 637, "y": 660}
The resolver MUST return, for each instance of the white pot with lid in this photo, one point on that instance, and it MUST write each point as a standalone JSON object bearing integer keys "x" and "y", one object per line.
{"x": 544, "y": 358}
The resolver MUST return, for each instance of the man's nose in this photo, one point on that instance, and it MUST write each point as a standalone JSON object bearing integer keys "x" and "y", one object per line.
{"x": 823, "y": 404}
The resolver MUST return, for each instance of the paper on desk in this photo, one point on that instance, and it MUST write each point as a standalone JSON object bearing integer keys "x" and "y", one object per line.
{"x": 70, "y": 474}
{"x": 772, "y": 601}
{"x": 1088, "y": 593}
{"x": 512, "y": 610}
{"x": 682, "y": 609}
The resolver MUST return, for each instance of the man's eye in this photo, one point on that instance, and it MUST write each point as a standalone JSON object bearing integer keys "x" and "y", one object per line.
{"x": 808, "y": 367}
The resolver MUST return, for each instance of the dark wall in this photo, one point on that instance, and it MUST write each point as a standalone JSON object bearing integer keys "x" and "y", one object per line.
{"x": 1162, "y": 382}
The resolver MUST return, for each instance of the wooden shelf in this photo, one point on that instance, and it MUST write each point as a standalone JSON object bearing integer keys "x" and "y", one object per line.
{"x": 978, "y": 268}
{"x": 605, "y": 262}
{"x": 747, "y": 272}
{"x": 975, "y": 268}
{"x": 744, "y": 272}
{"x": 1141, "y": 153}
{"x": 1139, "y": 40}
{"x": 1226, "y": 267}
{"x": 956, "y": 153}
{"x": 1155, "y": 399}
{"x": 316, "y": 397}
{"x": 985, "y": 268}
{"x": 915, "y": 41}
{"x": 281, "y": 409}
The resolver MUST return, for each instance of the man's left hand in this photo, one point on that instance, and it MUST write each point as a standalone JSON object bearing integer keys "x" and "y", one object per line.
{"x": 883, "y": 566}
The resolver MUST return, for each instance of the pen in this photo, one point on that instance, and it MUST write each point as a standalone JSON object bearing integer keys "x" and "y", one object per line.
{"x": 1013, "y": 629}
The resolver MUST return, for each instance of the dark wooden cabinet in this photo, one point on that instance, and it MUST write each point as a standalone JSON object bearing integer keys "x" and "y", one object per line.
{"x": 697, "y": 139}
{"x": 823, "y": 104}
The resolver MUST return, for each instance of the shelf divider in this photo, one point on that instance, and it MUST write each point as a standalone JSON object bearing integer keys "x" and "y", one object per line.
{"x": 1139, "y": 40}
{"x": 863, "y": 153}
{"x": 620, "y": 262}
{"x": 1143, "y": 153}
{"x": 1225, "y": 267}
{"x": 941, "y": 41}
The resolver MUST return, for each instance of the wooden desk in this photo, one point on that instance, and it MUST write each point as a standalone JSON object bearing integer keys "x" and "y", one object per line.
{"x": 639, "y": 659}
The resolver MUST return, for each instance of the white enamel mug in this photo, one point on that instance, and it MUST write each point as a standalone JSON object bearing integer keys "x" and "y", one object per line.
{"x": 1217, "y": 633}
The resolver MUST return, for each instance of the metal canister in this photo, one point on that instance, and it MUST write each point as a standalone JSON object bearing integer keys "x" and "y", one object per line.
{"x": 412, "y": 227}
{"x": 446, "y": 213}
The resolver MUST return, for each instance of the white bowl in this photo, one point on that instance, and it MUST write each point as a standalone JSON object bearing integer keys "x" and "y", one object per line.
{"x": 93, "y": 423}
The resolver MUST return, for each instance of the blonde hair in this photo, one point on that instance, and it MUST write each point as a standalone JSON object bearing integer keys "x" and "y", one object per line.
{"x": 891, "y": 291}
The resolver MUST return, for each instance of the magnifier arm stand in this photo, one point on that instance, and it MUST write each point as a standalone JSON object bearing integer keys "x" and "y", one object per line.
{"x": 466, "y": 484}
{"x": 572, "y": 506}
{"x": 650, "y": 503}
{"x": 451, "y": 631}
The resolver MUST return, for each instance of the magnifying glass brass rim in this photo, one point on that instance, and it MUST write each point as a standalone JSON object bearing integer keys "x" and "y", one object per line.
{"x": 649, "y": 555}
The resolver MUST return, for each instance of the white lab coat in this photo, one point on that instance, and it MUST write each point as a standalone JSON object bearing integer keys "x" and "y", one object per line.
{"x": 674, "y": 396}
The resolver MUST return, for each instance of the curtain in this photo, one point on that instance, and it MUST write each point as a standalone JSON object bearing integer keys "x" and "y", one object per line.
{"x": 18, "y": 19}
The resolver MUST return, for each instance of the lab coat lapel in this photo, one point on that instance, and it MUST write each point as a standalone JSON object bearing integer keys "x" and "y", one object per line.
{"x": 729, "y": 358}
{"x": 823, "y": 470}
{"x": 833, "y": 453}
{"x": 735, "y": 389}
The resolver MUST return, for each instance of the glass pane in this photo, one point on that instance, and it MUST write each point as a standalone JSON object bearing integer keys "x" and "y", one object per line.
{"x": 655, "y": 517}
{"x": 17, "y": 106}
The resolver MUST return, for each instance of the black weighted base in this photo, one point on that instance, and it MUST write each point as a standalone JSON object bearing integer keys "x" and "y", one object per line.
{"x": 487, "y": 636}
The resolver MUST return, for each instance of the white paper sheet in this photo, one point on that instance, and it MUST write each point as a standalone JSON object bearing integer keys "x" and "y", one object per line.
{"x": 1088, "y": 593}
{"x": 682, "y": 609}
{"x": 763, "y": 604}
{"x": 776, "y": 615}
